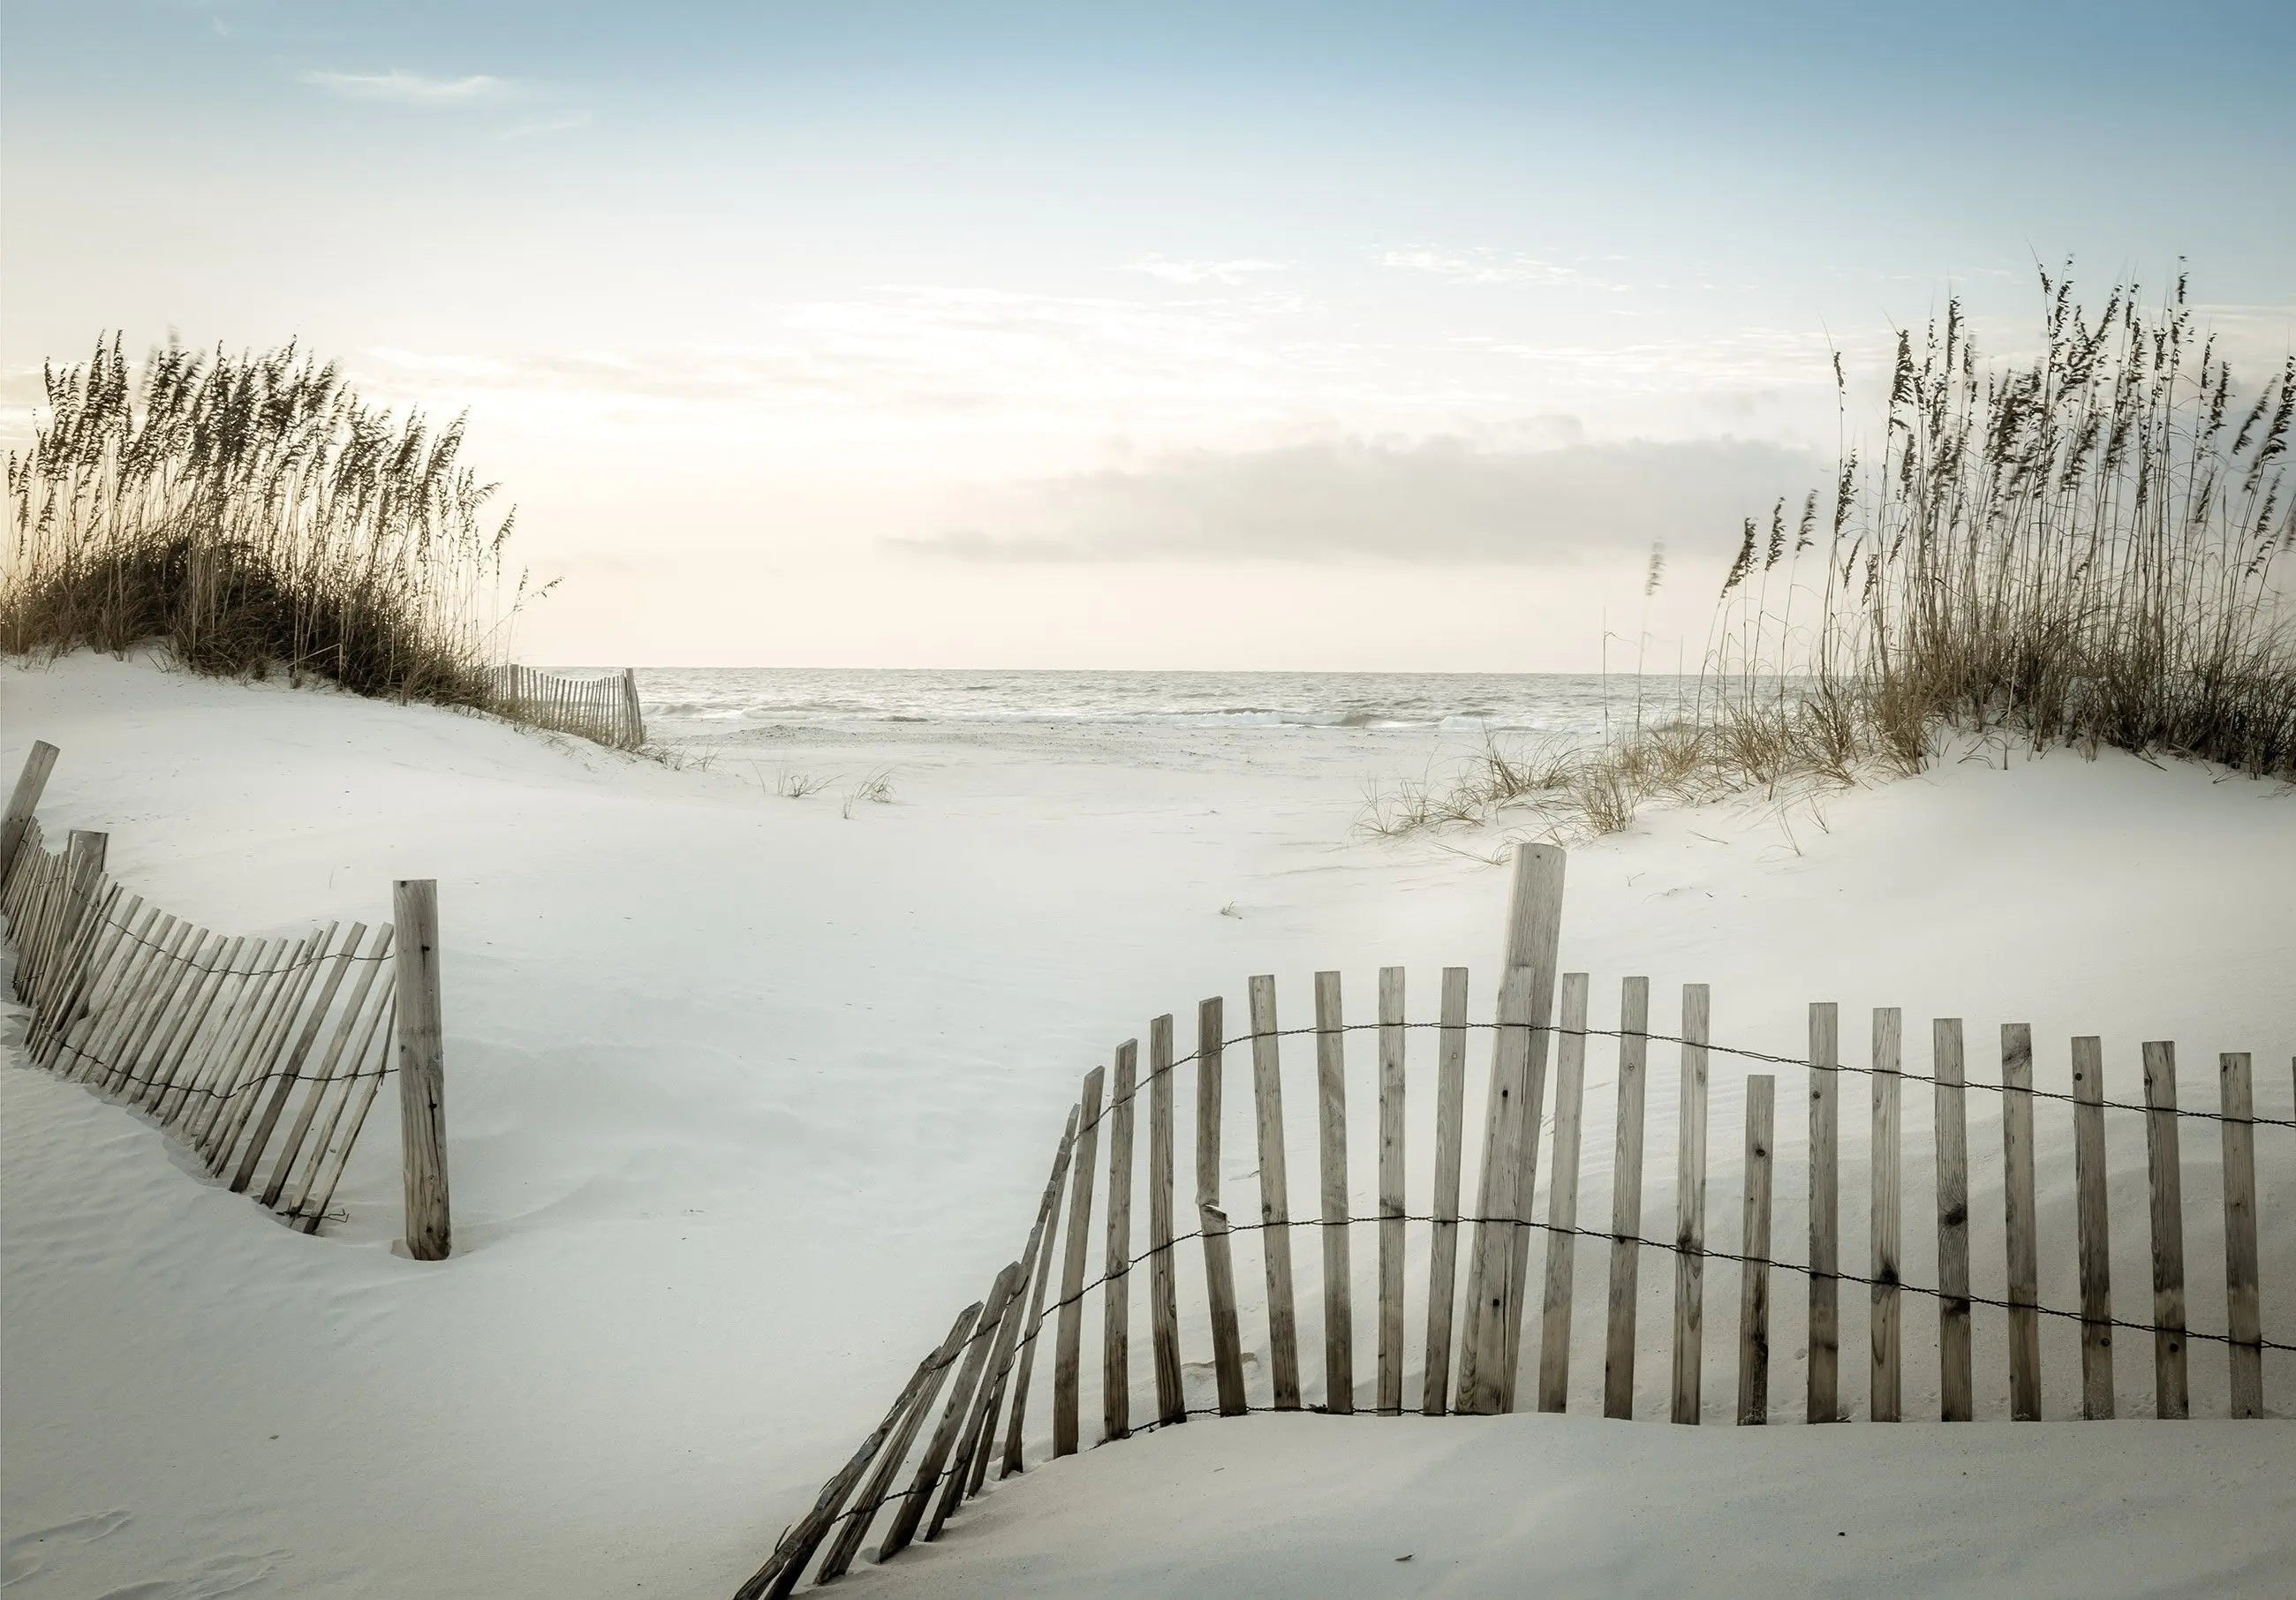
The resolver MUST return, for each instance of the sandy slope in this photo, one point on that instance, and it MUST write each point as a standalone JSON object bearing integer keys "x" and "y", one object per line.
{"x": 745, "y": 1097}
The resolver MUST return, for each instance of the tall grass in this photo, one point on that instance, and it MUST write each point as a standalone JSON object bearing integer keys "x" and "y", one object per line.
{"x": 253, "y": 514}
{"x": 2086, "y": 547}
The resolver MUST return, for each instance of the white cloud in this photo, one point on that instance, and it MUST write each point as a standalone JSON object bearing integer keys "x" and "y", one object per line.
{"x": 1492, "y": 266}
{"x": 399, "y": 86}
{"x": 1203, "y": 271}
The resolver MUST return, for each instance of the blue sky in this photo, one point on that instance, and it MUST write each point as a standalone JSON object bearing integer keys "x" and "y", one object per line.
{"x": 1093, "y": 335}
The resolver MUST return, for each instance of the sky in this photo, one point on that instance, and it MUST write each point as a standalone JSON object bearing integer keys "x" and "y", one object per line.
{"x": 1338, "y": 336}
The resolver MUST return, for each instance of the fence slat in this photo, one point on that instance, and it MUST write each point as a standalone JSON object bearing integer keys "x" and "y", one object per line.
{"x": 419, "y": 1049}
{"x": 1823, "y": 1401}
{"x": 982, "y": 1414}
{"x": 2021, "y": 1220}
{"x": 1274, "y": 1196}
{"x": 1048, "y": 1217}
{"x": 1163, "y": 1290}
{"x": 2164, "y": 1170}
{"x": 911, "y": 1511}
{"x": 1493, "y": 1299}
{"x": 31, "y": 782}
{"x": 1956, "y": 1380}
{"x": 143, "y": 1055}
{"x": 1332, "y": 1169}
{"x": 1500, "y": 1261}
{"x": 335, "y": 1152}
{"x": 323, "y": 1079}
{"x": 1443, "y": 1246}
{"x": 2245, "y": 1317}
{"x": 1068, "y": 1352}
{"x": 1886, "y": 1403}
{"x": 1690, "y": 1209}
{"x": 786, "y": 1564}
{"x": 102, "y": 1057}
{"x": 849, "y": 1540}
{"x": 112, "y": 990}
{"x": 1754, "y": 1270}
{"x": 2095, "y": 1229}
{"x": 1627, "y": 1201}
{"x": 1219, "y": 1258}
{"x": 1562, "y": 1198}
{"x": 292, "y": 1065}
{"x": 1391, "y": 1061}
{"x": 1116, "y": 1270}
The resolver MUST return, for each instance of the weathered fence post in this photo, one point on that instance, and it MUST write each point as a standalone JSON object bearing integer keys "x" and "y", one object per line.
{"x": 1163, "y": 1291}
{"x": 1627, "y": 1201}
{"x": 1069, "y": 1353}
{"x": 1754, "y": 1251}
{"x": 1443, "y": 1245}
{"x": 1563, "y": 1199}
{"x": 421, "y": 1070}
{"x": 23, "y": 801}
{"x": 1116, "y": 1275}
{"x": 1956, "y": 1381}
{"x": 1219, "y": 1260}
{"x": 1690, "y": 1209}
{"x": 1275, "y": 1195}
{"x": 1391, "y": 1062}
{"x": 2171, "y": 1393}
{"x": 2244, "y": 1309}
{"x": 1886, "y": 1401}
{"x": 1823, "y": 1403}
{"x": 1500, "y": 1261}
{"x": 630, "y": 700}
{"x": 2019, "y": 1215}
{"x": 1331, "y": 1170}
{"x": 2095, "y": 1248}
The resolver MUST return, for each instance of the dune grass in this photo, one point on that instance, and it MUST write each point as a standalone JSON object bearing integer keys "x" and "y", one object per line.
{"x": 253, "y": 515}
{"x": 2086, "y": 548}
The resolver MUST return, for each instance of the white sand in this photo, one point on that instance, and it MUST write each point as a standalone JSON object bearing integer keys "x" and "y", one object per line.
{"x": 745, "y": 1098}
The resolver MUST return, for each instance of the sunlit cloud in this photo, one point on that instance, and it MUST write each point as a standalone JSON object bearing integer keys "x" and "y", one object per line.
{"x": 399, "y": 86}
{"x": 1192, "y": 273}
{"x": 1493, "y": 267}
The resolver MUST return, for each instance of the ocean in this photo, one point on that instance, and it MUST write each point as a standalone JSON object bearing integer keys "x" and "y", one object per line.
{"x": 708, "y": 705}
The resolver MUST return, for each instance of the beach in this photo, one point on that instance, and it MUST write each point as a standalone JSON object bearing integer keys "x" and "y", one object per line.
{"x": 745, "y": 1094}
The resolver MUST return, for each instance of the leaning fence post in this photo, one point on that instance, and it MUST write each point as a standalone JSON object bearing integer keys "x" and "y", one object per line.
{"x": 1501, "y": 1255}
{"x": 23, "y": 801}
{"x": 422, "y": 1068}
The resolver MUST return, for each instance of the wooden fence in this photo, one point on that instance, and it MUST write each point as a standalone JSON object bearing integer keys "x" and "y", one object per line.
{"x": 263, "y": 1056}
{"x": 602, "y": 709}
{"x": 1469, "y": 1339}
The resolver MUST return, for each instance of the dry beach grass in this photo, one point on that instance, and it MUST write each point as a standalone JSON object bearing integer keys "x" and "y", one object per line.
{"x": 2088, "y": 548}
{"x": 254, "y": 515}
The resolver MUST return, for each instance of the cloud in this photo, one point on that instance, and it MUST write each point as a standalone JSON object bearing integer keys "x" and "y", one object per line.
{"x": 1442, "y": 502}
{"x": 1491, "y": 267}
{"x": 401, "y": 87}
{"x": 1230, "y": 273}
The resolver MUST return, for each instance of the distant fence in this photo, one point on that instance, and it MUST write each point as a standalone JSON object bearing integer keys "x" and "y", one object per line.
{"x": 602, "y": 709}
{"x": 987, "y": 1359}
{"x": 263, "y": 1056}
